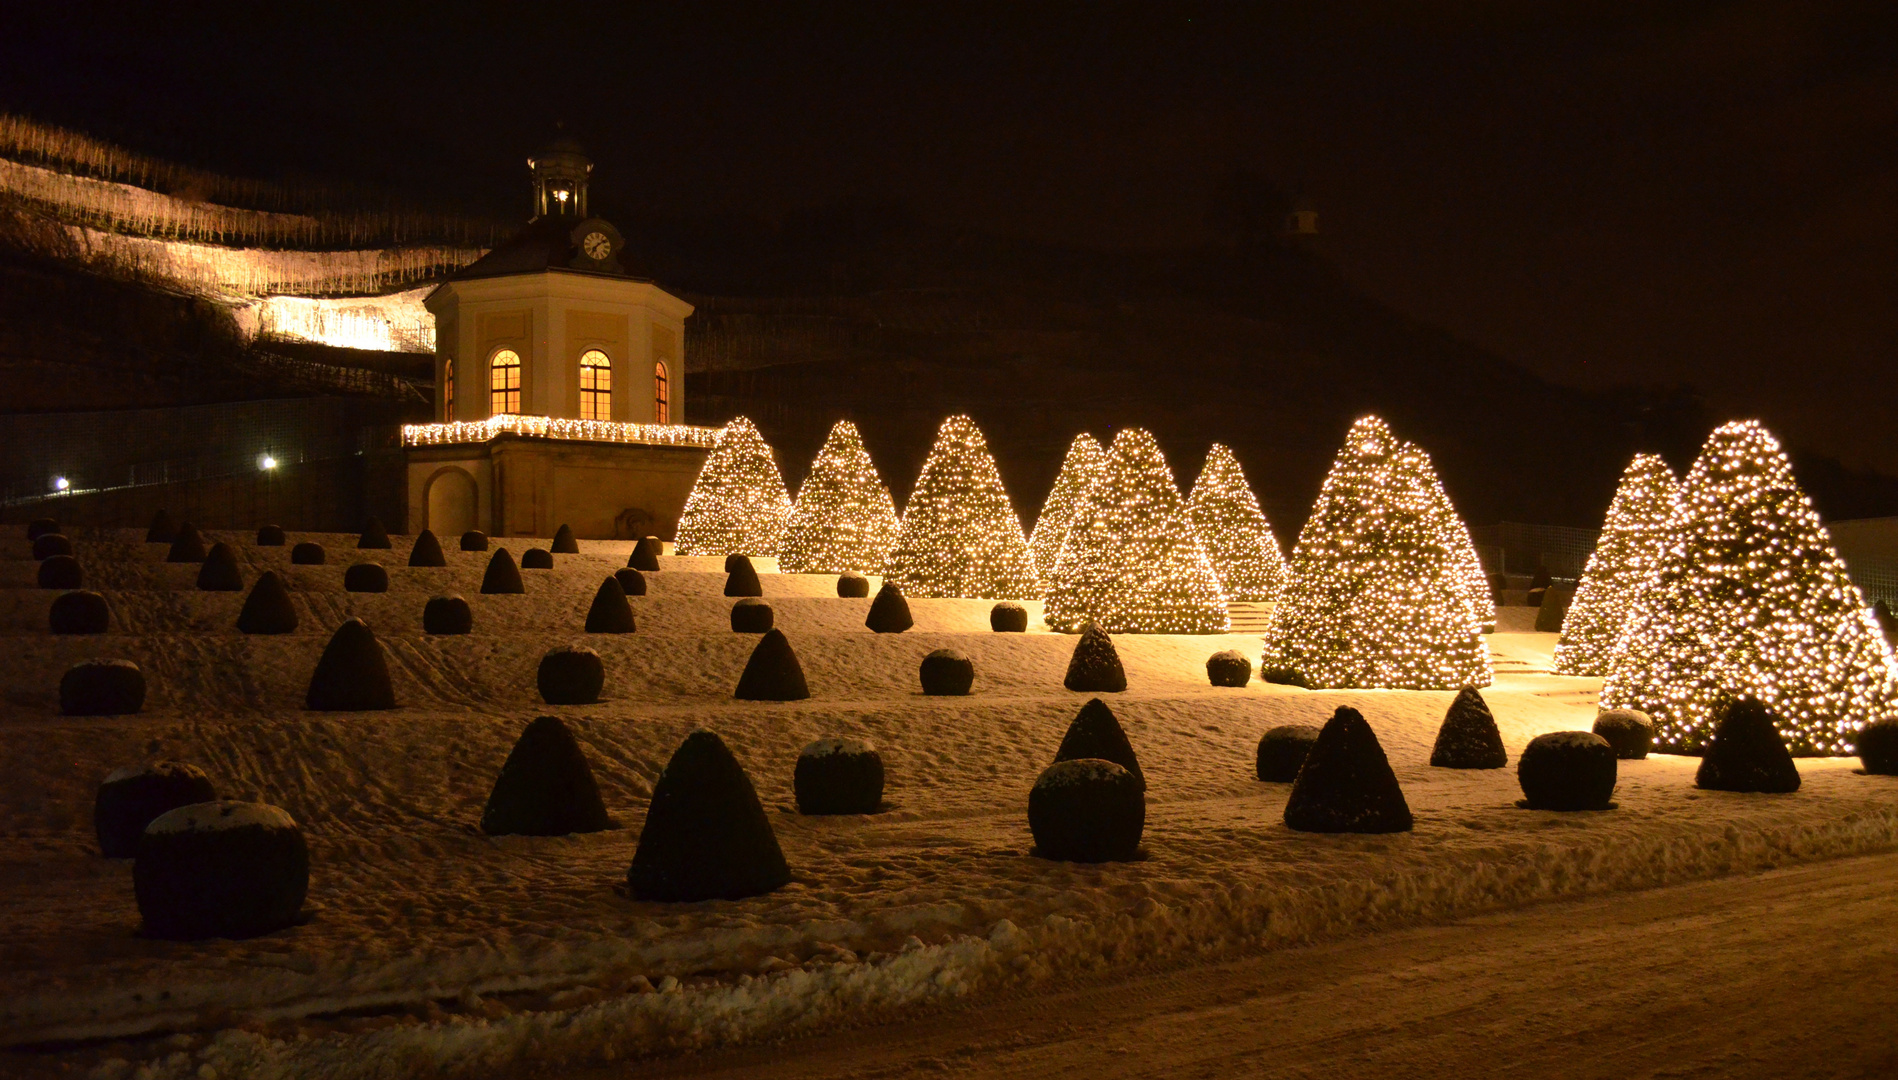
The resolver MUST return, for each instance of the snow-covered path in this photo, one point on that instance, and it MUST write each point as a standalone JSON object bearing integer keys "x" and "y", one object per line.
{"x": 1789, "y": 973}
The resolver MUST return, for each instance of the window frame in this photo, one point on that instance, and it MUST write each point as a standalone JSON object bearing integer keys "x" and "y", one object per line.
{"x": 601, "y": 394}
{"x": 661, "y": 393}
{"x": 498, "y": 395}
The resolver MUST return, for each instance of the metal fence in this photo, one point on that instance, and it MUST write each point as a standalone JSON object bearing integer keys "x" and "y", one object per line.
{"x": 1511, "y": 547}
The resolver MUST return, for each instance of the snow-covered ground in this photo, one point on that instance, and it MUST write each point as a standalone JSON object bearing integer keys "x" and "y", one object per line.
{"x": 431, "y": 943}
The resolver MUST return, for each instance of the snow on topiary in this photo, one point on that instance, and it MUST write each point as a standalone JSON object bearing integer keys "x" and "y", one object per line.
{"x": 1237, "y": 538}
{"x": 1468, "y": 738}
{"x": 366, "y": 577}
{"x": 843, "y": 518}
{"x": 1634, "y": 540}
{"x": 752, "y": 615}
{"x": 631, "y": 582}
{"x": 352, "y": 674}
{"x": 502, "y": 577}
{"x": 1096, "y": 733}
{"x": 773, "y": 672}
{"x": 545, "y": 788}
{"x": 1567, "y": 770}
{"x": 889, "y": 612}
{"x": 947, "y": 673}
{"x": 741, "y": 578}
{"x": 1282, "y": 751}
{"x": 960, "y": 536}
{"x": 610, "y": 613}
{"x": 102, "y": 688}
{"x": 1008, "y": 617}
{"x": 706, "y": 835}
{"x": 570, "y": 675}
{"x": 852, "y": 585}
{"x": 220, "y": 869}
{"x": 1346, "y": 784}
{"x": 1083, "y": 465}
{"x": 474, "y": 540}
{"x": 1228, "y": 667}
{"x": 427, "y": 550}
{"x": 537, "y": 559}
{"x": 838, "y": 776}
{"x": 132, "y": 798}
{"x": 1094, "y": 667}
{"x": 447, "y": 615}
{"x": 1746, "y": 752}
{"x": 1629, "y": 731}
{"x": 1087, "y": 810}
{"x": 739, "y": 504}
{"x": 646, "y": 554}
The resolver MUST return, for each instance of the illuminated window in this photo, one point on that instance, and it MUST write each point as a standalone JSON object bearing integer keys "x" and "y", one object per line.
{"x": 596, "y": 386}
{"x": 448, "y": 390}
{"x": 507, "y": 383}
{"x": 661, "y": 396}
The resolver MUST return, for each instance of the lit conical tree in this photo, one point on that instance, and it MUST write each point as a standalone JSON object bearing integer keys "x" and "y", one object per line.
{"x": 738, "y": 504}
{"x": 1751, "y": 600}
{"x": 1378, "y": 596}
{"x": 1083, "y": 465}
{"x": 1133, "y": 562}
{"x": 1455, "y": 536}
{"x": 1634, "y": 537}
{"x": 1234, "y": 531}
{"x": 843, "y": 518}
{"x": 960, "y": 535}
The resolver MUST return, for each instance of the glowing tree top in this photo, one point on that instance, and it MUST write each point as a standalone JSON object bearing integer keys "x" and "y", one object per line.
{"x": 1752, "y": 600}
{"x": 1236, "y": 536}
{"x": 738, "y": 505}
{"x": 1634, "y": 538}
{"x": 960, "y": 535}
{"x": 1133, "y": 562}
{"x": 843, "y": 518}
{"x": 1378, "y": 596}
{"x": 1083, "y": 465}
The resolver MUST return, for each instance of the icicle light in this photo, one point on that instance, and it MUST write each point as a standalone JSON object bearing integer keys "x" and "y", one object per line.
{"x": 738, "y": 505}
{"x": 843, "y": 518}
{"x": 960, "y": 536}
{"x": 550, "y": 427}
{"x": 1634, "y": 538}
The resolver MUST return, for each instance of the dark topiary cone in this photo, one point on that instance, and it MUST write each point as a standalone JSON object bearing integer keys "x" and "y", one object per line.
{"x": 220, "y": 869}
{"x": 352, "y": 675}
{"x": 268, "y": 610}
{"x": 545, "y": 788}
{"x": 1468, "y": 738}
{"x": 570, "y": 675}
{"x": 1566, "y": 770}
{"x": 1542, "y": 578}
{"x": 219, "y": 572}
{"x": 270, "y": 536}
{"x": 1284, "y": 676}
{"x": 947, "y": 673}
{"x": 161, "y": 531}
{"x": 610, "y": 613}
{"x": 1886, "y": 620}
{"x": 537, "y": 559}
{"x": 39, "y": 527}
{"x": 1534, "y": 600}
{"x": 1629, "y": 731}
{"x": 752, "y": 615}
{"x": 740, "y": 578}
{"x": 308, "y": 553}
{"x": 502, "y": 576}
{"x": 1008, "y": 617}
{"x": 1095, "y": 733}
{"x": 102, "y": 688}
{"x": 427, "y": 550}
{"x": 131, "y": 799}
{"x": 1095, "y": 666}
{"x": 374, "y": 536}
{"x": 631, "y": 581}
{"x": 447, "y": 615}
{"x": 772, "y": 673}
{"x": 474, "y": 540}
{"x": 838, "y": 776}
{"x": 1087, "y": 810}
{"x": 366, "y": 577}
{"x": 646, "y": 554}
{"x": 852, "y": 585}
{"x": 1282, "y": 752}
{"x": 1346, "y": 783}
{"x": 564, "y": 543}
{"x": 79, "y": 612}
{"x": 1746, "y": 752}
{"x": 706, "y": 837}
{"x": 1878, "y": 747}
{"x": 889, "y": 612}
{"x": 47, "y": 545}
{"x": 186, "y": 545}
{"x": 1554, "y": 609}
{"x": 1228, "y": 668}
{"x": 61, "y": 572}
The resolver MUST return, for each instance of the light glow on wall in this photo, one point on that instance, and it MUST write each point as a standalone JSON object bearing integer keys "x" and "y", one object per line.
{"x": 552, "y": 427}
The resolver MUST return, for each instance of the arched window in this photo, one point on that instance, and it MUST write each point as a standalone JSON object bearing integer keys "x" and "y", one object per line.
{"x": 507, "y": 383}
{"x": 661, "y": 396}
{"x": 596, "y": 386}
{"x": 448, "y": 389}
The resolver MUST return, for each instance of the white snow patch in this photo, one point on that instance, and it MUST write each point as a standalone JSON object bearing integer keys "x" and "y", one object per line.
{"x": 220, "y": 816}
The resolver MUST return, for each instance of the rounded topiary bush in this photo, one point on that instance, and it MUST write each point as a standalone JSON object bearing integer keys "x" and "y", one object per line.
{"x": 352, "y": 674}
{"x": 219, "y": 572}
{"x": 502, "y": 576}
{"x": 61, "y": 572}
{"x": 537, "y": 559}
{"x": 474, "y": 540}
{"x": 186, "y": 545}
{"x": 161, "y": 530}
{"x": 366, "y": 577}
{"x": 1468, "y": 738}
{"x": 1629, "y": 731}
{"x": 1878, "y": 747}
{"x": 1284, "y": 676}
{"x": 1346, "y": 784}
{"x": 1567, "y": 770}
{"x": 271, "y": 536}
{"x": 564, "y": 543}
{"x": 947, "y": 672}
{"x": 752, "y": 615}
{"x": 1747, "y": 752}
{"x": 268, "y": 609}
{"x": 1229, "y": 667}
{"x": 374, "y": 537}
{"x": 546, "y": 787}
{"x": 773, "y": 672}
{"x": 220, "y": 869}
{"x": 838, "y": 776}
{"x": 852, "y": 585}
{"x": 308, "y": 553}
{"x": 1095, "y": 666}
{"x": 1282, "y": 752}
{"x": 741, "y": 578}
{"x": 1008, "y": 617}
{"x": 47, "y": 545}
{"x": 706, "y": 835}
{"x": 447, "y": 615}
{"x": 889, "y": 612}
{"x": 1087, "y": 810}
{"x": 130, "y": 799}
{"x": 81, "y": 611}
{"x": 646, "y": 554}
{"x": 39, "y": 527}
{"x": 610, "y": 613}
{"x": 427, "y": 550}
{"x": 570, "y": 675}
{"x": 631, "y": 582}
{"x": 102, "y": 688}
{"x": 1096, "y": 733}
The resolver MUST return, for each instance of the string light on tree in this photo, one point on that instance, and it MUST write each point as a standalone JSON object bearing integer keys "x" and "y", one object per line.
{"x": 1450, "y": 530}
{"x": 960, "y": 536}
{"x": 843, "y": 518}
{"x": 1085, "y": 463}
{"x": 1378, "y": 597}
{"x": 1133, "y": 562}
{"x": 1752, "y": 600}
{"x": 1236, "y": 536}
{"x": 738, "y": 505}
{"x": 1634, "y": 538}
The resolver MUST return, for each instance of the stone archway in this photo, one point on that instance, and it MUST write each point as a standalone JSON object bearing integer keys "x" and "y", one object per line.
{"x": 452, "y": 502}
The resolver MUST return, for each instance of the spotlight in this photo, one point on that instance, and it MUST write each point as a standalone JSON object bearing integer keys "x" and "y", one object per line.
{"x": 267, "y": 462}
{"x": 60, "y": 483}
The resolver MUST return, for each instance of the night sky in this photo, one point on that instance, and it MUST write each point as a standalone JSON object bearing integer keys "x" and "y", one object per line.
{"x": 1708, "y": 194}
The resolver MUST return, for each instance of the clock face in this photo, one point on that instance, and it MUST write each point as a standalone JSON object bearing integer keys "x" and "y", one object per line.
{"x": 597, "y": 246}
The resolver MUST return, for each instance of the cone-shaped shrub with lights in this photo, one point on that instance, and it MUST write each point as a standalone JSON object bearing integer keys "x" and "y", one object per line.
{"x": 1133, "y": 562}
{"x": 1237, "y": 538}
{"x": 738, "y": 505}
{"x": 1633, "y": 540}
{"x": 960, "y": 535}
{"x": 843, "y": 518}
{"x": 1378, "y": 596}
{"x": 1455, "y": 537}
{"x": 1085, "y": 463}
{"x": 1751, "y": 600}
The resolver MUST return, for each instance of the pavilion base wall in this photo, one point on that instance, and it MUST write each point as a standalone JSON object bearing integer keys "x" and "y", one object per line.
{"x": 525, "y": 486}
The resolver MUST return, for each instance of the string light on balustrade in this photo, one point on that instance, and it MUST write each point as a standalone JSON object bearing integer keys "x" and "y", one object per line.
{"x": 1236, "y": 535}
{"x": 1634, "y": 538}
{"x": 843, "y": 517}
{"x": 960, "y": 536}
{"x": 1084, "y": 464}
{"x": 555, "y": 427}
{"x": 738, "y": 504}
